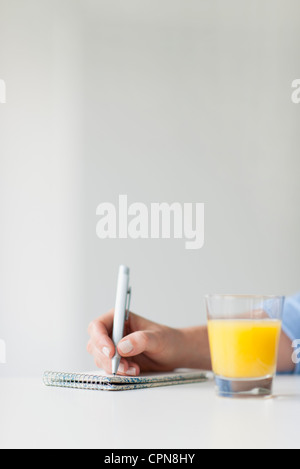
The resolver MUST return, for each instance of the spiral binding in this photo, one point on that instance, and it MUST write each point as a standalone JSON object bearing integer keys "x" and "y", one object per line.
{"x": 74, "y": 380}
{"x": 101, "y": 383}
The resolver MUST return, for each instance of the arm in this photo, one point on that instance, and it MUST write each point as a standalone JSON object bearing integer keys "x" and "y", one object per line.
{"x": 148, "y": 346}
{"x": 196, "y": 351}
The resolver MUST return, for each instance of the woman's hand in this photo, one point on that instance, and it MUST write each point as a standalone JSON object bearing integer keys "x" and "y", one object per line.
{"x": 147, "y": 346}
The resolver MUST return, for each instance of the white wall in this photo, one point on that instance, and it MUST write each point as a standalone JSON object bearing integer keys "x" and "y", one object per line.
{"x": 163, "y": 100}
{"x": 40, "y": 185}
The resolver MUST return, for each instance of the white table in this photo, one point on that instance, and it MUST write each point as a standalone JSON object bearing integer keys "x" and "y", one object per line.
{"x": 185, "y": 417}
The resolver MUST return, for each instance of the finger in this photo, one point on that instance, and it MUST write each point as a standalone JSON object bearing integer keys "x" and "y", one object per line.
{"x": 89, "y": 347}
{"x": 94, "y": 350}
{"x": 106, "y": 320}
{"x": 133, "y": 369}
{"x": 123, "y": 368}
{"x": 106, "y": 364}
{"x": 99, "y": 331}
{"x": 138, "y": 323}
{"x": 137, "y": 343}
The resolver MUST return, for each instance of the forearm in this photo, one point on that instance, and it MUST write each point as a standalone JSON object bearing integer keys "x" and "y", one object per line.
{"x": 195, "y": 351}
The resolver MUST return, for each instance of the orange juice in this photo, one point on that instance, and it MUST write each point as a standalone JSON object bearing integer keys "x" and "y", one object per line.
{"x": 244, "y": 348}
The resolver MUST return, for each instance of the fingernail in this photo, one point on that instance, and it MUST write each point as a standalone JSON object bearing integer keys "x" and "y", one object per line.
{"x": 105, "y": 351}
{"x": 126, "y": 346}
{"x": 131, "y": 371}
{"x": 121, "y": 368}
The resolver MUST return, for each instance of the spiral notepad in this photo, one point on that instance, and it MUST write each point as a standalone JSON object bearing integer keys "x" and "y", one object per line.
{"x": 100, "y": 382}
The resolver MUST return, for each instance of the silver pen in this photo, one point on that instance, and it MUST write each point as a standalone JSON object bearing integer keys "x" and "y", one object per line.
{"x": 121, "y": 313}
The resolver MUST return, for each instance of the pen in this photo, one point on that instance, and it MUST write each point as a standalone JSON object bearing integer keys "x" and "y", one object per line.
{"x": 121, "y": 313}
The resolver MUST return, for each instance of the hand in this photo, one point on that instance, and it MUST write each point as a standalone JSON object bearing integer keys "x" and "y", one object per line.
{"x": 147, "y": 346}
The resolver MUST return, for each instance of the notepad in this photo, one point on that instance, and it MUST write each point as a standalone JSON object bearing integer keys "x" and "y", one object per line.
{"x": 100, "y": 382}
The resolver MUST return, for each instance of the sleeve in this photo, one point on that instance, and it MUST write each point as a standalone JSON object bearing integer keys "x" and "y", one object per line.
{"x": 291, "y": 321}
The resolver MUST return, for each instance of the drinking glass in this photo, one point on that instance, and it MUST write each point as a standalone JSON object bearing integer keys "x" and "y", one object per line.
{"x": 244, "y": 333}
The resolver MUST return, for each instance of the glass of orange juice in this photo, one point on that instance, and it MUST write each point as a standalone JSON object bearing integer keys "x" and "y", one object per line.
{"x": 244, "y": 333}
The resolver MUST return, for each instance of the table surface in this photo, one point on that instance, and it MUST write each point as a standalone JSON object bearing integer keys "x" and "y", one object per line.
{"x": 179, "y": 417}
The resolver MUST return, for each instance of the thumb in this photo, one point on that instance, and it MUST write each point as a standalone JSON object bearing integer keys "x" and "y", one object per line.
{"x": 137, "y": 343}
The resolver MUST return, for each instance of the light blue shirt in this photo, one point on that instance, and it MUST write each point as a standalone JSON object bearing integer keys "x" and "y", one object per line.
{"x": 291, "y": 321}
